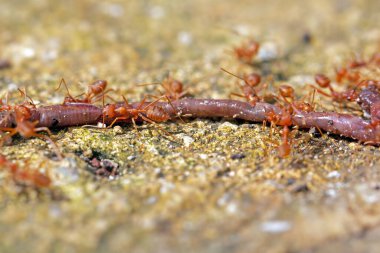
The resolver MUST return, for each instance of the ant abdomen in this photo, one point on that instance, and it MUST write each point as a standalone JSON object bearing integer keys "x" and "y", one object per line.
{"x": 157, "y": 114}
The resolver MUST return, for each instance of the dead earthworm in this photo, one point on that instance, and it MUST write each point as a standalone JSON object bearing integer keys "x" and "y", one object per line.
{"x": 368, "y": 97}
{"x": 76, "y": 114}
{"x": 69, "y": 114}
{"x": 337, "y": 123}
{"x": 226, "y": 108}
{"x": 343, "y": 124}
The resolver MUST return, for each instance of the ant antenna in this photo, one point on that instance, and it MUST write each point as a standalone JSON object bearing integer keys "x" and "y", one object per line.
{"x": 232, "y": 74}
{"x": 64, "y": 83}
{"x": 23, "y": 93}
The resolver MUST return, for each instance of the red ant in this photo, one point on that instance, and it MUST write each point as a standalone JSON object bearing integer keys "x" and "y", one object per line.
{"x": 247, "y": 51}
{"x": 324, "y": 82}
{"x": 342, "y": 73}
{"x": 28, "y": 129}
{"x": 251, "y": 81}
{"x": 4, "y": 106}
{"x": 284, "y": 119}
{"x": 148, "y": 113}
{"x": 173, "y": 89}
{"x": 287, "y": 92}
{"x": 95, "y": 90}
{"x": 26, "y": 175}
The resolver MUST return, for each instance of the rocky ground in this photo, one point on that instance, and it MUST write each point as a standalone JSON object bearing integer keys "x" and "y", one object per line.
{"x": 212, "y": 185}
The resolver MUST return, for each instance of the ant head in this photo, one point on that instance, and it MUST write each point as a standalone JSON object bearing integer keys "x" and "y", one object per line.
{"x": 98, "y": 86}
{"x": 286, "y": 91}
{"x": 322, "y": 80}
{"x": 252, "y": 47}
{"x": 356, "y": 63}
{"x": 176, "y": 86}
{"x": 252, "y": 79}
{"x": 248, "y": 90}
{"x": 247, "y": 50}
{"x": 353, "y": 76}
{"x": 22, "y": 112}
{"x": 376, "y": 58}
{"x": 352, "y": 95}
{"x": 341, "y": 71}
{"x": 109, "y": 111}
{"x": 303, "y": 106}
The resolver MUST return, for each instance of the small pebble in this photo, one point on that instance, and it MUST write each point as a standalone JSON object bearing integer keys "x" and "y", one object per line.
{"x": 118, "y": 130}
{"x": 276, "y": 226}
{"x": 227, "y": 125}
{"x": 187, "y": 140}
{"x": 268, "y": 51}
{"x": 95, "y": 162}
{"x": 237, "y": 156}
{"x": 131, "y": 157}
{"x": 333, "y": 174}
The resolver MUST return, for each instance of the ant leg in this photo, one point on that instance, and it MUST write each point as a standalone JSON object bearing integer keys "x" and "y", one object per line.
{"x": 146, "y": 84}
{"x": 116, "y": 119}
{"x": 151, "y": 96}
{"x": 183, "y": 93}
{"x": 284, "y": 149}
{"x": 134, "y": 124}
{"x": 151, "y": 103}
{"x": 319, "y": 130}
{"x": 236, "y": 95}
{"x": 169, "y": 101}
{"x": 103, "y": 94}
{"x": 223, "y": 69}
{"x": 67, "y": 89}
{"x": 52, "y": 143}
{"x": 7, "y": 129}
{"x": 39, "y": 129}
{"x": 172, "y": 106}
{"x": 264, "y": 124}
{"x": 26, "y": 97}
{"x": 271, "y": 129}
{"x": 11, "y": 131}
{"x": 103, "y": 114}
{"x": 154, "y": 123}
{"x": 320, "y": 91}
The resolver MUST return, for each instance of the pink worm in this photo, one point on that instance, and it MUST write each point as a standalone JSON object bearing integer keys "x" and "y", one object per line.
{"x": 76, "y": 114}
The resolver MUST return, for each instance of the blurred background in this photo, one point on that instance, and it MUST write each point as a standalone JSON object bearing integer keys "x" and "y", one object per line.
{"x": 127, "y": 42}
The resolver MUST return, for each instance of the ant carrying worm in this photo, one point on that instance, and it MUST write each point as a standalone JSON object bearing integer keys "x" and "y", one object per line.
{"x": 251, "y": 82}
